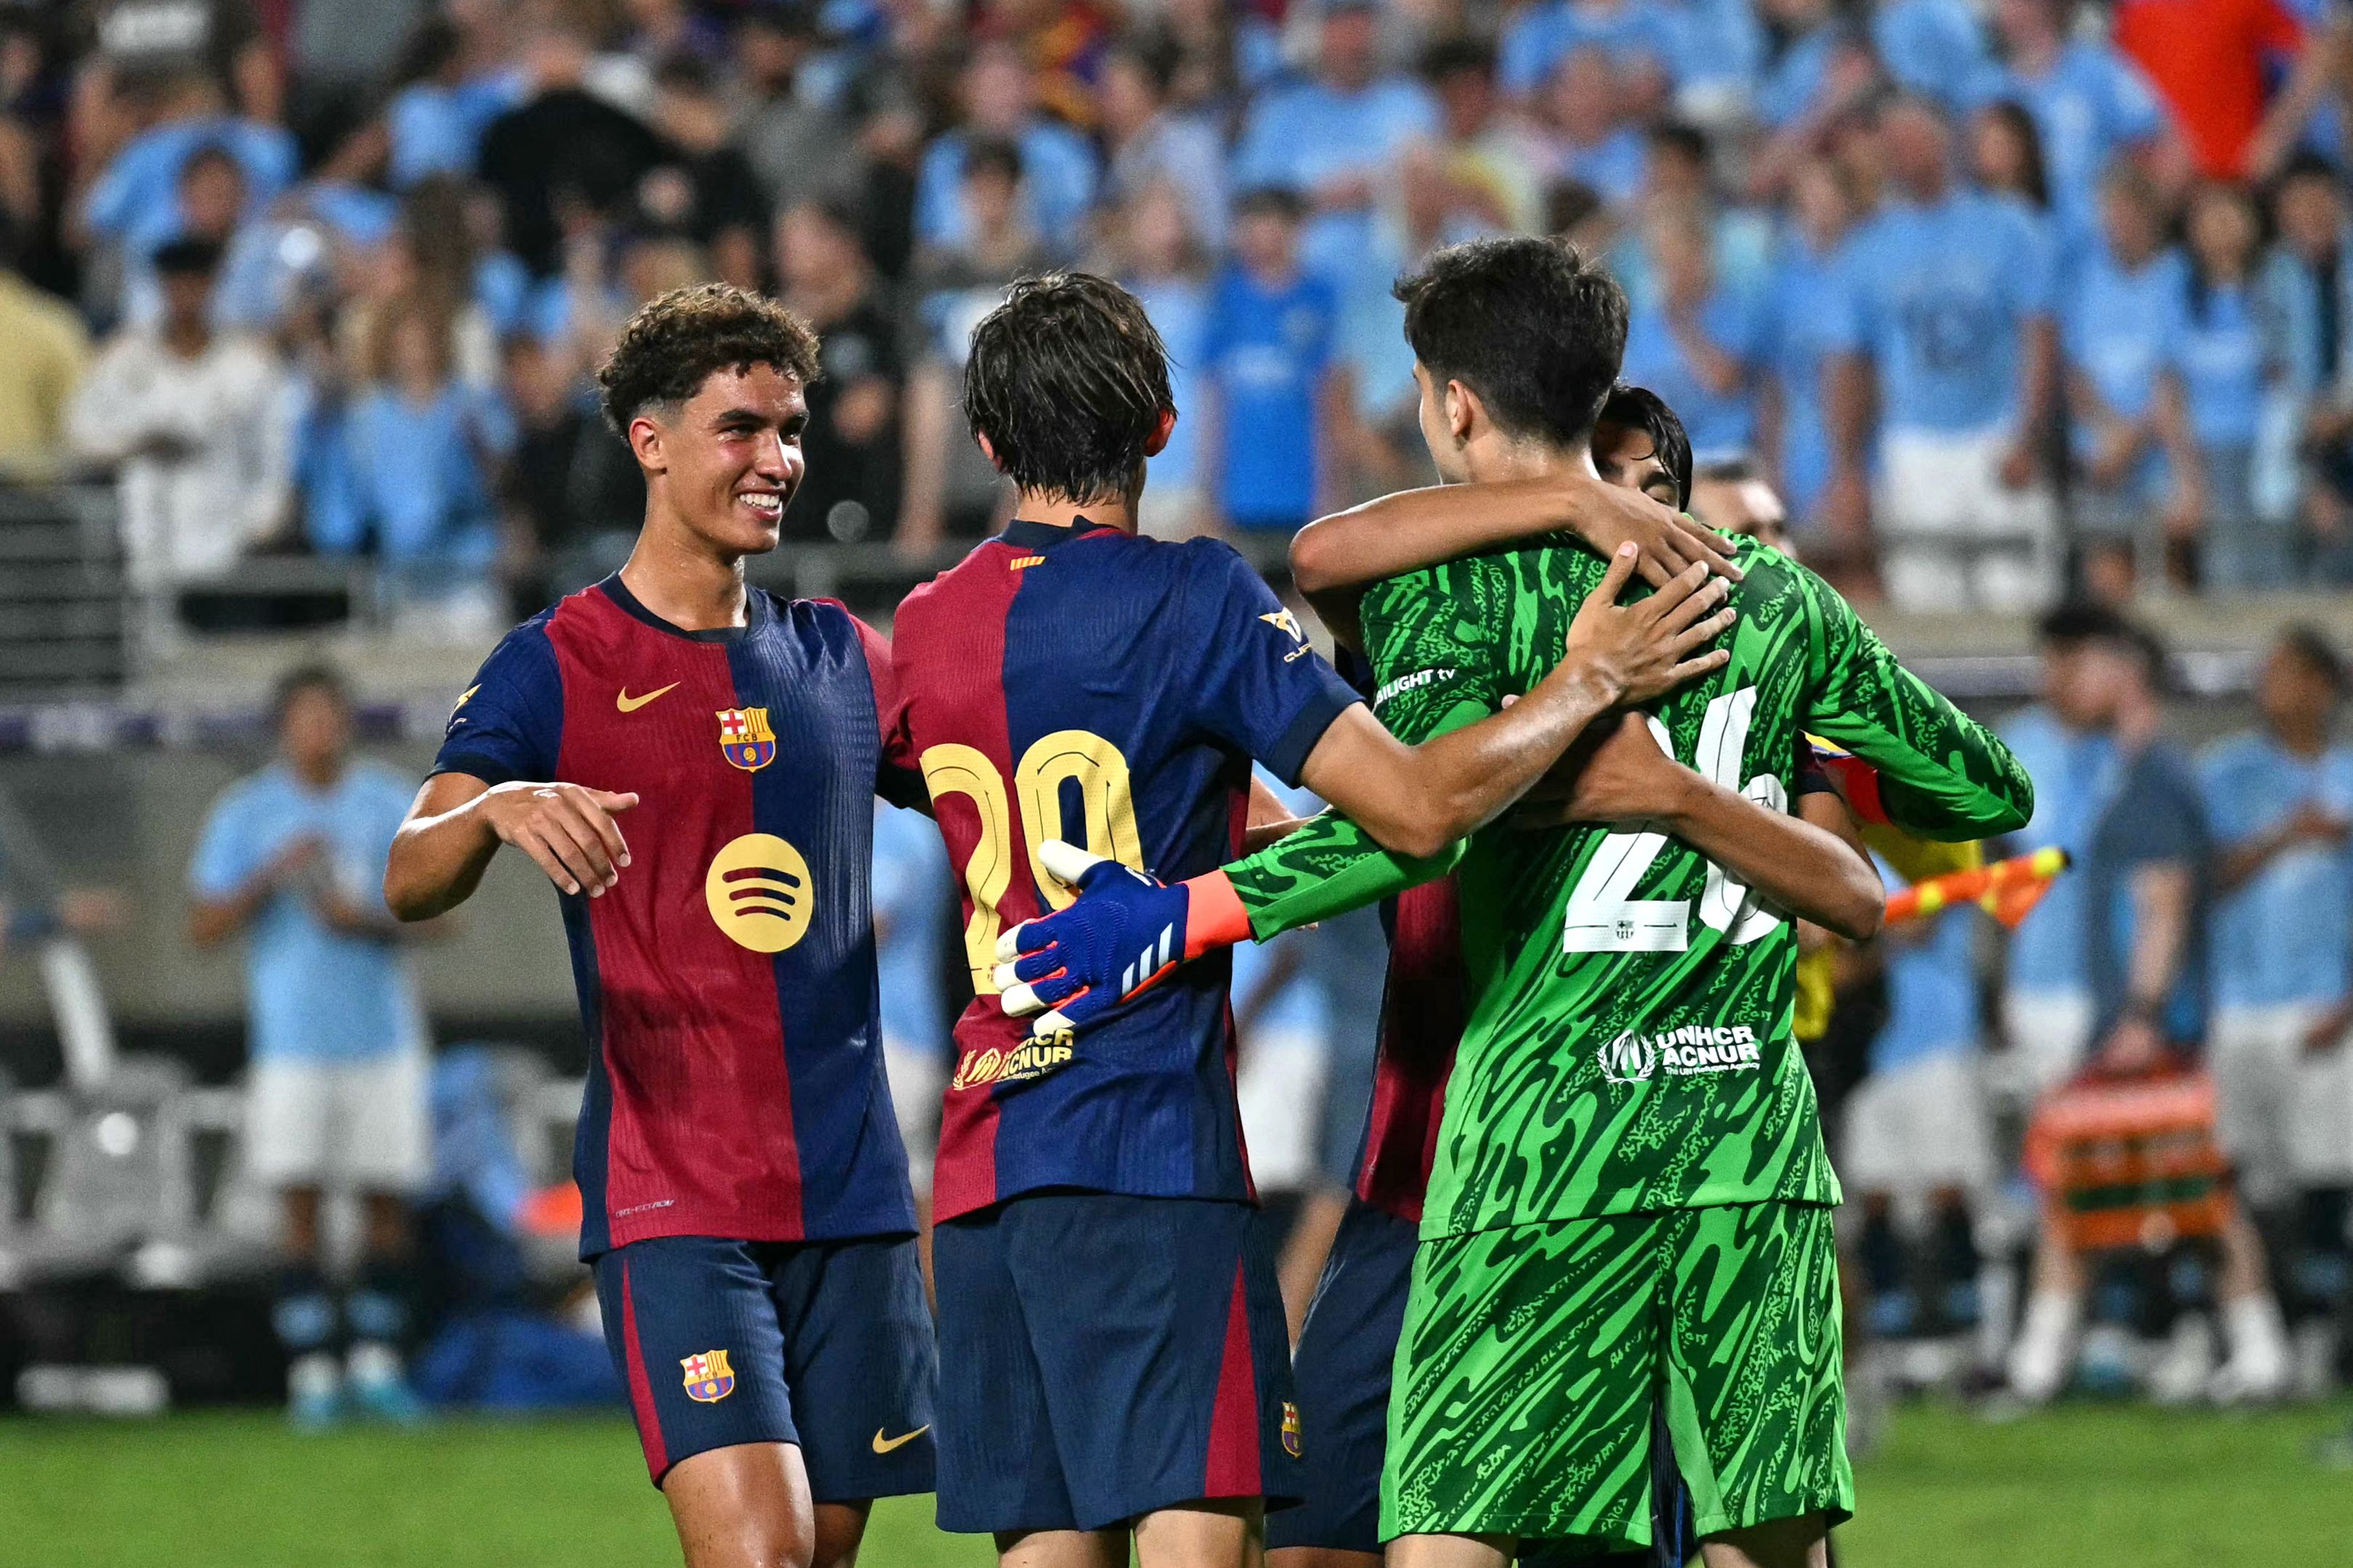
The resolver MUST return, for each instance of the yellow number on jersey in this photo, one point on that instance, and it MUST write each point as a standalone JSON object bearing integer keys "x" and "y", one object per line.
{"x": 1038, "y": 779}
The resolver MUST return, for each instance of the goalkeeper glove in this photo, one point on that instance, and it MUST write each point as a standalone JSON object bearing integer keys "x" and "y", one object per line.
{"x": 1125, "y": 933}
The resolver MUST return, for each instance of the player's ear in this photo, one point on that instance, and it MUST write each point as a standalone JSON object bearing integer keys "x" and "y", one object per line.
{"x": 1462, "y": 411}
{"x": 645, "y": 443}
{"x": 1162, "y": 429}
{"x": 987, "y": 450}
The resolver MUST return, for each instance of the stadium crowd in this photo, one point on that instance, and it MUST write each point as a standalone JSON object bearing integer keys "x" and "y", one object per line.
{"x": 1980, "y": 285}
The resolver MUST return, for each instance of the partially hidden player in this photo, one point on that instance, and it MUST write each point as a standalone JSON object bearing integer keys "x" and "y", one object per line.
{"x": 1114, "y": 1356}
{"x": 1628, "y": 1199}
{"x": 1349, "y": 1344}
{"x": 747, "y": 1208}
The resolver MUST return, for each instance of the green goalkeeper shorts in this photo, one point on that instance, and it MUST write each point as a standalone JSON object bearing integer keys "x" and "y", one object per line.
{"x": 1532, "y": 1357}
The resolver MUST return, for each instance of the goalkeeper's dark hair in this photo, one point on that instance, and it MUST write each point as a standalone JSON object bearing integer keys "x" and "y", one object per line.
{"x": 677, "y": 340}
{"x": 1640, "y": 408}
{"x": 1527, "y": 323}
{"x": 1069, "y": 380}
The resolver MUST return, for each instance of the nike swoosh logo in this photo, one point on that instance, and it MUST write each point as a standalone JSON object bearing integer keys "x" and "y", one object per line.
{"x": 884, "y": 1444}
{"x": 628, "y": 704}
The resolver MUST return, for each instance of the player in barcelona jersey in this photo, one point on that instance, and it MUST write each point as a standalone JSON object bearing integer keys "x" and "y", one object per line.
{"x": 1349, "y": 1344}
{"x": 693, "y": 764}
{"x": 1113, "y": 1350}
{"x": 1629, "y": 1200}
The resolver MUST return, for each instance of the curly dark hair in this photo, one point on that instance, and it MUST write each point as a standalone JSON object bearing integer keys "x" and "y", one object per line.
{"x": 677, "y": 341}
{"x": 1068, "y": 380}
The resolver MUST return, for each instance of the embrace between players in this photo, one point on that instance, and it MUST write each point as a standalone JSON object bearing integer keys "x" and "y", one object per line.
{"x": 1593, "y": 1203}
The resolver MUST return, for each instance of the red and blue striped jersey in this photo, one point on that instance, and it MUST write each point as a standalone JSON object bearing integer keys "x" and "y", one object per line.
{"x": 1087, "y": 685}
{"x": 726, "y": 982}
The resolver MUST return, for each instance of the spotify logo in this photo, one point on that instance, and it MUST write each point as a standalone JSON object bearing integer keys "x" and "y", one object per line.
{"x": 758, "y": 890}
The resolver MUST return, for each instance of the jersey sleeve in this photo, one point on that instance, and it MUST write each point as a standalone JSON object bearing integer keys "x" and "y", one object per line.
{"x": 1942, "y": 775}
{"x": 1435, "y": 641}
{"x": 1261, "y": 688}
{"x": 896, "y": 778}
{"x": 509, "y": 724}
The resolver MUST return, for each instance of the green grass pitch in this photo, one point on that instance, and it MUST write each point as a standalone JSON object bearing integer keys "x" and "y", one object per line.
{"x": 2083, "y": 1486}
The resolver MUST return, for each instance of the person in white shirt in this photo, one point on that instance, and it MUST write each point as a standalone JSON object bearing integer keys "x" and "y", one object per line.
{"x": 198, "y": 426}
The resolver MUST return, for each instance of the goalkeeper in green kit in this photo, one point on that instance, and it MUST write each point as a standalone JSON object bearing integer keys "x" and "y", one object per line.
{"x": 1629, "y": 1202}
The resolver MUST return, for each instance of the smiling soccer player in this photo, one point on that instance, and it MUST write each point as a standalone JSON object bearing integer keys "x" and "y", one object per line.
{"x": 747, "y": 1206}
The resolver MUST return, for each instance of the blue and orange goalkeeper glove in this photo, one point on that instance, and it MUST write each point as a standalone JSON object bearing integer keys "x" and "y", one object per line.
{"x": 1124, "y": 935}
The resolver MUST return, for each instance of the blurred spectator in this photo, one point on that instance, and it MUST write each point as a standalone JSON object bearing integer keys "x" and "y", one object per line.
{"x": 2005, "y": 155}
{"x": 1798, "y": 77}
{"x": 1934, "y": 47}
{"x": 2215, "y": 62}
{"x": 565, "y": 156}
{"x": 293, "y": 857}
{"x": 1586, "y": 137}
{"x": 1947, "y": 310}
{"x": 456, "y": 81}
{"x": 850, "y": 491}
{"x": 705, "y": 188}
{"x": 1697, "y": 346}
{"x": 198, "y": 424}
{"x": 1146, "y": 138}
{"x": 2116, "y": 318}
{"x": 1266, "y": 366}
{"x": 1335, "y": 139}
{"x": 800, "y": 146}
{"x": 421, "y": 448}
{"x": 2282, "y": 803}
{"x": 2308, "y": 299}
{"x": 951, "y": 489}
{"x": 2146, "y": 875}
{"x": 2090, "y": 104}
{"x": 140, "y": 203}
{"x": 1635, "y": 36}
{"x": 48, "y": 353}
{"x": 1494, "y": 171}
{"x": 1160, "y": 260}
{"x": 1057, "y": 167}
{"x": 1918, "y": 1133}
{"x": 167, "y": 59}
{"x": 913, "y": 899}
{"x": 574, "y": 497}
{"x": 1801, "y": 331}
{"x": 2221, "y": 378}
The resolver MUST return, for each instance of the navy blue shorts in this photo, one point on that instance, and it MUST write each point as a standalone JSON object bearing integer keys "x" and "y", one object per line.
{"x": 1348, "y": 1355}
{"x": 826, "y": 1344}
{"x": 1101, "y": 1356}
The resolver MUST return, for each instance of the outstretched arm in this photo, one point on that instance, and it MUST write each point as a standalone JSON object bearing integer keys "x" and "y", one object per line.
{"x": 1334, "y": 558}
{"x": 457, "y": 821}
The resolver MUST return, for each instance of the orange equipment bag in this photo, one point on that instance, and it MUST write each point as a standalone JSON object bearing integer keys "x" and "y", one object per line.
{"x": 2130, "y": 1162}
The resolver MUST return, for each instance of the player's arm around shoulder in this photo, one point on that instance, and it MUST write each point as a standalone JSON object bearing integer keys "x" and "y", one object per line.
{"x": 1455, "y": 764}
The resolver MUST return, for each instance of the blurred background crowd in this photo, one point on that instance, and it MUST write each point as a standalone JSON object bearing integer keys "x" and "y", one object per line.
{"x": 2005, "y": 304}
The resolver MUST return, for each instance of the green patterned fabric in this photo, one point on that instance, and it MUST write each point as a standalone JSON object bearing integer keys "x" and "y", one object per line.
{"x": 1628, "y": 1044}
{"x": 1531, "y": 1356}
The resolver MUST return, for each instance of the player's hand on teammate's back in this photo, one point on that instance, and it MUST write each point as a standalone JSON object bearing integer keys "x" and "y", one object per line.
{"x": 1617, "y": 772}
{"x": 567, "y": 828}
{"x": 1610, "y": 516}
{"x": 1649, "y": 647}
{"x": 1124, "y": 933}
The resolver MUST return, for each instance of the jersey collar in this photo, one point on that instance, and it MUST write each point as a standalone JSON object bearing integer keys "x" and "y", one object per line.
{"x": 755, "y": 613}
{"x": 1023, "y": 534}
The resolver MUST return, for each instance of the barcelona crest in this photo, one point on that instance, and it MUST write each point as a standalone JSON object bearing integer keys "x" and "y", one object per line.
{"x": 1291, "y": 1428}
{"x": 709, "y": 1378}
{"x": 745, "y": 738}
